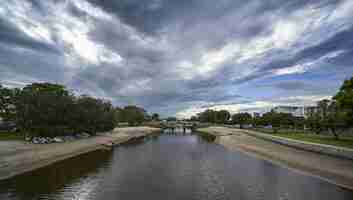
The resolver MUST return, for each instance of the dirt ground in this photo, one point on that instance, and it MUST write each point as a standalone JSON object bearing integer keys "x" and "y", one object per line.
{"x": 17, "y": 157}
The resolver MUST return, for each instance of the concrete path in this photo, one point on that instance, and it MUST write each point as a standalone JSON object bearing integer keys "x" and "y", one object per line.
{"x": 331, "y": 169}
{"x": 17, "y": 157}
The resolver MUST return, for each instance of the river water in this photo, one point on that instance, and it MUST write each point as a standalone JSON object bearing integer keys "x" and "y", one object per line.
{"x": 167, "y": 167}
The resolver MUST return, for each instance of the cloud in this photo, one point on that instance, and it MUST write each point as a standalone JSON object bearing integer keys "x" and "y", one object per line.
{"x": 176, "y": 57}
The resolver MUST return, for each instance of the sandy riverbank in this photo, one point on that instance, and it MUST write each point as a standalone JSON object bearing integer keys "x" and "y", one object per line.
{"x": 17, "y": 157}
{"x": 331, "y": 169}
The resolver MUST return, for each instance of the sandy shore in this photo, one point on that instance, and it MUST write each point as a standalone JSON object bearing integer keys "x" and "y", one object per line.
{"x": 17, "y": 157}
{"x": 331, "y": 169}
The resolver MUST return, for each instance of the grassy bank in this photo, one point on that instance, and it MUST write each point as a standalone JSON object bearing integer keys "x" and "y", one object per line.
{"x": 343, "y": 141}
{"x": 5, "y": 136}
{"x": 346, "y": 142}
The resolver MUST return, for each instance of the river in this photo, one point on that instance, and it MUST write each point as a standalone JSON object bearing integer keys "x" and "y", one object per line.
{"x": 167, "y": 167}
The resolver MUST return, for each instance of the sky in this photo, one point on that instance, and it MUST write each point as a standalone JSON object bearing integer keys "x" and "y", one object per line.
{"x": 180, "y": 57}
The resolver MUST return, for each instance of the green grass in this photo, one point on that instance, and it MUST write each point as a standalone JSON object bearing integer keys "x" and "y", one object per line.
{"x": 320, "y": 139}
{"x": 4, "y": 136}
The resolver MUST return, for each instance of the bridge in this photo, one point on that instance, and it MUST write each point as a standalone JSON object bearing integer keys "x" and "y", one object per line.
{"x": 181, "y": 125}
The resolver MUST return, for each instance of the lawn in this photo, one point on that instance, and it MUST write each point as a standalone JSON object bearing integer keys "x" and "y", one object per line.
{"x": 321, "y": 139}
{"x": 10, "y": 136}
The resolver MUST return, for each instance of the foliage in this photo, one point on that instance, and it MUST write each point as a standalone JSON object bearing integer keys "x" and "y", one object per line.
{"x": 93, "y": 115}
{"x": 155, "y": 117}
{"x": 222, "y": 116}
{"x": 313, "y": 122}
{"x": 46, "y": 109}
{"x": 194, "y": 118}
{"x": 213, "y": 116}
{"x": 242, "y": 119}
{"x": 133, "y": 115}
{"x": 344, "y": 98}
{"x": 43, "y": 109}
{"x": 7, "y": 101}
{"x": 329, "y": 116}
{"x": 278, "y": 120}
{"x": 4, "y": 136}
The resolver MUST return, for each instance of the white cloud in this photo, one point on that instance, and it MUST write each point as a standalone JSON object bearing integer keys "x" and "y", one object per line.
{"x": 91, "y": 10}
{"x": 136, "y": 87}
{"x": 255, "y": 106}
{"x": 235, "y": 108}
{"x": 343, "y": 11}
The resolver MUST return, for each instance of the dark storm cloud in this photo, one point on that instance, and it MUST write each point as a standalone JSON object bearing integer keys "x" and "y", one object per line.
{"x": 151, "y": 16}
{"x": 341, "y": 41}
{"x": 290, "y": 85}
{"x": 171, "y": 55}
{"x": 30, "y": 64}
{"x": 13, "y": 36}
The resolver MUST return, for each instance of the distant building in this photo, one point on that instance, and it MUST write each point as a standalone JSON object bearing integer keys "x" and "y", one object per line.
{"x": 296, "y": 111}
{"x": 310, "y": 110}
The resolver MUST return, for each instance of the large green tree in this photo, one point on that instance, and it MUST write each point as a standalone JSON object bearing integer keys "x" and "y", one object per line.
{"x": 93, "y": 115}
{"x": 7, "y": 103}
{"x": 242, "y": 119}
{"x": 344, "y": 98}
{"x": 329, "y": 116}
{"x": 213, "y": 116}
{"x": 209, "y": 116}
{"x": 155, "y": 116}
{"x": 134, "y": 115}
{"x": 313, "y": 122}
{"x": 43, "y": 109}
{"x": 336, "y": 119}
{"x": 278, "y": 120}
{"x": 222, "y": 116}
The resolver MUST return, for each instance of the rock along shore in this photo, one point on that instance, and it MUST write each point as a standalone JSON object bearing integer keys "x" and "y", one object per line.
{"x": 17, "y": 157}
{"x": 332, "y": 169}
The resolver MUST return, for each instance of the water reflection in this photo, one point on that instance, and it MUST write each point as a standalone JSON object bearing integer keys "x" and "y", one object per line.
{"x": 173, "y": 165}
{"x": 55, "y": 178}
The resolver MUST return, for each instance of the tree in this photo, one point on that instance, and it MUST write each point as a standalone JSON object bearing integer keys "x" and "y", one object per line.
{"x": 258, "y": 121}
{"x": 222, "y": 116}
{"x": 134, "y": 115}
{"x": 208, "y": 116}
{"x": 323, "y": 107}
{"x": 46, "y": 109}
{"x": 242, "y": 119}
{"x": 119, "y": 115}
{"x": 277, "y": 120}
{"x": 212, "y": 116}
{"x": 336, "y": 119}
{"x": 344, "y": 98}
{"x": 155, "y": 117}
{"x": 92, "y": 115}
{"x": 43, "y": 109}
{"x": 314, "y": 122}
{"x": 329, "y": 116}
{"x": 298, "y": 122}
{"x": 7, "y": 103}
{"x": 194, "y": 118}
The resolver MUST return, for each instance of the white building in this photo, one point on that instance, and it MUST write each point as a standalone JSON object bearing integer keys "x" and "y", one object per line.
{"x": 297, "y": 111}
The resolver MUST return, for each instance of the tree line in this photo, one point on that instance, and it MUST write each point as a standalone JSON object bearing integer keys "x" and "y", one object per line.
{"x": 331, "y": 115}
{"x": 48, "y": 110}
